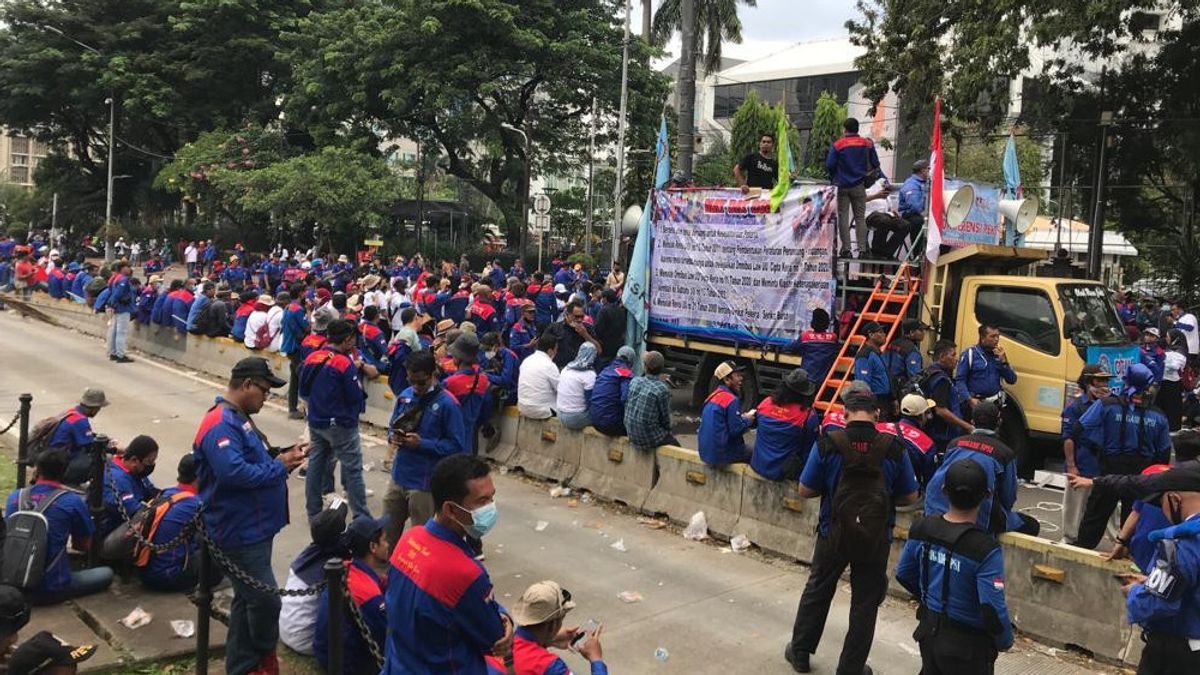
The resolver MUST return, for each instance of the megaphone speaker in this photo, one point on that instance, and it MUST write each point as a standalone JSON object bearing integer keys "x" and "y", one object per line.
{"x": 631, "y": 219}
{"x": 1021, "y": 212}
{"x": 958, "y": 204}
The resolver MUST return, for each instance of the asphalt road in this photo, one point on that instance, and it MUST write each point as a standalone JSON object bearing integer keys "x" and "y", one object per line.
{"x": 712, "y": 610}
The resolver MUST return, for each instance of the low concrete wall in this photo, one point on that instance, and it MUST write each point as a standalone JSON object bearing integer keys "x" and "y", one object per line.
{"x": 1057, "y": 593}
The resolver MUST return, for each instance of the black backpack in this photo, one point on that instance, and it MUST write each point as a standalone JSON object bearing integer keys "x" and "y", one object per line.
{"x": 861, "y": 507}
{"x": 40, "y": 435}
{"x": 23, "y": 556}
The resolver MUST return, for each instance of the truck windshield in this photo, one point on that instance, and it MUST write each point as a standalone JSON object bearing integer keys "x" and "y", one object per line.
{"x": 1089, "y": 317}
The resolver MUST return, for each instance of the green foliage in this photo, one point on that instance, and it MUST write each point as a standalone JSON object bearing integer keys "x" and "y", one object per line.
{"x": 983, "y": 161}
{"x": 717, "y": 22}
{"x": 714, "y": 166}
{"x": 826, "y": 128}
{"x": 586, "y": 260}
{"x": 751, "y": 120}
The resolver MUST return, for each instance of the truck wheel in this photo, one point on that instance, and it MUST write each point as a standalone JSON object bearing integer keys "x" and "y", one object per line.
{"x": 1015, "y": 435}
{"x": 704, "y": 375}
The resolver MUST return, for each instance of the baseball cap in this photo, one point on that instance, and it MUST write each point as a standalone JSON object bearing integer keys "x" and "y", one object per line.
{"x": 909, "y": 325}
{"x": 93, "y": 397}
{"x": 920, "y": 165}
{"x": 873, "y": 327}
{"x": 44, "y": 650}
{"x": 966, "y": 476}
{"x": 541, "y": 602}
{"x": 727, "y": 368}
{"x": 916, "y": 404}
{"x": 328, "y": 525}
{"x": 1152, "y": 331}
{"x": 14, "y": 610}
{"x": 256, "y": 368}
{"x": 362, "y": 531}
{"x": 854, "y": 387}
{"x": 858, "y": 396}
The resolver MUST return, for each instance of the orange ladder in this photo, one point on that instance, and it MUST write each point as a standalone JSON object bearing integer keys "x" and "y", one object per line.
{"x": 887, "y": 307}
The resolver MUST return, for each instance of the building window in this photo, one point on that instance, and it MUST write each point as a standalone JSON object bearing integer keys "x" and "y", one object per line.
{"x": 20, "y": 160}
{"x": 19, "y": 174}
{"x": 20, "y": 144}
{"x": 1022, "y": 314}
{"x": 1140, "y": 22}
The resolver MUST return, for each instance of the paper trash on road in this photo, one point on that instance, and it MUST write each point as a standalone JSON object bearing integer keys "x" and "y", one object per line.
{"x": 619, "y": 545}
{"x": 137, "y": 618}
{"x": 541, "y": 525}
{"x": 739, "y": 543}
{"x": 560, "y": 491}
{"x": 697, "y": 529}
{"x": 629, "y": 596}
{"x": 183, "y": 628}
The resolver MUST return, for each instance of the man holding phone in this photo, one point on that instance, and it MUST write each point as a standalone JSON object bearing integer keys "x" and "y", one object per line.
{"x": 238, "y": 473}
{"x": 540, "y": 615}
{"x": 983, "y": 368}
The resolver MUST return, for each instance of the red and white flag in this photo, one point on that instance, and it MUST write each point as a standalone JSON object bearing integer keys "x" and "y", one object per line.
{"x": 937, "y": 197}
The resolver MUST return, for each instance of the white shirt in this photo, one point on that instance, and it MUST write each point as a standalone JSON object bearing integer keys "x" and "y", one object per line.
{"x": 572, "y": 387}
{"x": 885, "y": 204}
{"x": 298, "y": 616}
{"x": 1191, "y": 334}
{"x": 1173, "y": 364}
{"x": 537, "y": 386}
{"x": 395, "y": 305}
{"x": 189, "y": 254}
{"x": 273, "y": 318}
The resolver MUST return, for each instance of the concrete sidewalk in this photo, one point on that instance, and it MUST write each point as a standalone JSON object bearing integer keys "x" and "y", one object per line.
{"x": 712, "y": 610}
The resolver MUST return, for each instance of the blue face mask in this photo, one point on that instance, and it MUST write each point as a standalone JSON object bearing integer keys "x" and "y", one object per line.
{"x": 483, "y": 519}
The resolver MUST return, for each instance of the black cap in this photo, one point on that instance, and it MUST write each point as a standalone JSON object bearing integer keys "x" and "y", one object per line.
{"x": 910, "y": 325}
{"x": 1183, "y": 477}
{"x": 327, "y": 526}
{"x": 872, "y": 327}
{"x": 797, "y": 381}
{"x": 256, "y": 368}
{"x": 967, "y": 477}
{"x": 362, "y": 531}
{"x": 14, "y": 610}
{"x": 44, "y": 650}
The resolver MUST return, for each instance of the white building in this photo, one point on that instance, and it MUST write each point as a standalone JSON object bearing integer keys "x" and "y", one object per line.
{"x": 1072, "y": 237}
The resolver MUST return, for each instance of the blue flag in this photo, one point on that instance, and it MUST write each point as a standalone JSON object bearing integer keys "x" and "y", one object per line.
{"x": 1012, "y": 189}
{"x": 637, "y": 281}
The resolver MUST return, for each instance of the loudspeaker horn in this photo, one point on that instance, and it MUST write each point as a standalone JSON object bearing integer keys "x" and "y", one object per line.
{"x": 1021, "y": 212}
{"x": 958, "y": 204}
{"x": 631, "y": 220}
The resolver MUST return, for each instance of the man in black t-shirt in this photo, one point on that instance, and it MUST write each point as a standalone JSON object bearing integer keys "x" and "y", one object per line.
{"x": 758, "y": 169}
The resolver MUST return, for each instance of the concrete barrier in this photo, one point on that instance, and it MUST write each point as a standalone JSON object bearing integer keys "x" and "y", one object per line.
{"x": 775, "y": 517}
{"x": 1057, "y": 593}
{"x": 546, "y": 449}
{"x": 686, "y": 485}
{"x": 613, "y": 469}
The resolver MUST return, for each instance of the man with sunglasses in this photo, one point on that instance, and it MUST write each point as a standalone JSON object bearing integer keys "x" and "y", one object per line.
{"x": 243, "y": 484}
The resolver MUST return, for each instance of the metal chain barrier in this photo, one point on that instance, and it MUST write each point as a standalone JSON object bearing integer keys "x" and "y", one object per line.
{"x": 183, "y": 536}
{"x": 241, "y": 575}
{"x": 361, "y": 623}
{"x": 16, "y": 418}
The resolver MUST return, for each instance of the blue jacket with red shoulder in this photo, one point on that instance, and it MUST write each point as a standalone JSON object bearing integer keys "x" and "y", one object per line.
{"x": 311, "y": 343}
{"x": 502, "y": 370}
{"x": 243, "y": 489}
{"x": 817, "y": 352}
{"x": 470, "y": 387}
{"x": 850, "y": 159}
{"x": 544, "y": 302}
{"x": 372, "y": 345}
{"x": 329, "y": 383}
{"x": 530, "y": 658}
{"x": 783, "y": 432}
{"x": 147, "y": 301}
{"x": 131, "y": 491}
{"x": 484, "y": 316}
{"x": 922, "y": 450}
{"x": 168, "y": 565}
{"x": 607, "y": 407}
{"x": 74, "y": 432}
{"x": 441, "y": 430}
{"x": 442, "y": 612}
{"x": 294, "y": 326}
{"x": 721, "y": 428}
{"x": 455, "y": 306}
{"x": 367, "y": 593}
{"x": 520, "y": 339}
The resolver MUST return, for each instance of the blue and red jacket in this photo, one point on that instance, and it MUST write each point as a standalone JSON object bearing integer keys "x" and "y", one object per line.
{"x": 79, "y": 285}
{"x": 922, "y": 450}
{"x": 512, "y": 312}
{"x": 131, "y": 492}
{"x": 397, "y": 374}
{"x": 722, "y": 427}
{"x": 74, "y": 432}
{"x": 544, "y": 302}
{"x": 470, "y": 387}
{"x": 236, "y": 276}
{"x": 530, "y": 658}
{"x": 367, "y": 593}
{"x": 997, "y": 511}
{"x": 147, "y": 302}
{"x": 121, "y": 297}
{"x": 850, "y": 159}
{"x": 520, "y": 339}
{"x": 57, "y": 286}
{"x": 442, "y": 431}
{"x": 294, "y": 327}
{"x": 442, "y": 613}
{"x": 159, "y": 315}
{"x": 311, "y": 343}
{"x": 168, "y": 566}
{"x": 372, "y": 345}
{"x": 484, "y": 316}
{"x": 178, "y": 307}
{"x": 611, "y": 391}
{"x": 1154, "y": 359}
{"x": 67, "y": 517}
{"x": 243, "y": 489}
{"x": 454, "y": 307}
{"x": 817, "y": 352}
{"x": 502, "y": 370}
{"x": 783, "y": 431}
{"x": 1087, "y": 456}
{"x": 329, "y": 384}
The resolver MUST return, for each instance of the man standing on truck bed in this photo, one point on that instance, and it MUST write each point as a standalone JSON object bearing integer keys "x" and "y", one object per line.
{"x": 758, "y": 169}
{"x": 853, "y": 164}
{"x": 982, "y": 367}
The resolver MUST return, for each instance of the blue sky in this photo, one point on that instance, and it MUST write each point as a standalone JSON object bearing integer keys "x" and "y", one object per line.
{"x": 775, "y": 24}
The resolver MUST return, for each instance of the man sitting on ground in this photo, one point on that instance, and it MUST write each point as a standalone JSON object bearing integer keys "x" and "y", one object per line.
{"x": 127, "y": 485}
{"x": 539, "y": 615}
{"x": 298, "y": 613}
{"x": 366, "y": 578}
{"x": 174, "y": 511}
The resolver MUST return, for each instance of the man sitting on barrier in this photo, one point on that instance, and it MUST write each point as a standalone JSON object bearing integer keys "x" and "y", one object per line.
{"x": 366, "y": 579}
{"x": 537, "y": 380}
{"x": 787, "y": 428}
{"x": 298, "y": 613}
{"x": 66, "y": 516}
{"x": 611, "y": 393}
{"x": 722, "y": 422}
{"x": 127, "y": 487}
{"x": 998, "y": 513}
{"x": 539, "y": 614}
{"x": 648, "y": 412}
{"x": 168, "y": 516}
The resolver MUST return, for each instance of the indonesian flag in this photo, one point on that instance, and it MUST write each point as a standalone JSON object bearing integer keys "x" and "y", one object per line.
{"x": 937, "y": 197}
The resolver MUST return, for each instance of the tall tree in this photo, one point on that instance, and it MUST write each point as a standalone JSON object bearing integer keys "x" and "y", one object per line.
{"x": 476, "y": 78}
{"x": 826, "y": 127}
{"x": 647, "y": 18}
{"x": 717, "y": 22}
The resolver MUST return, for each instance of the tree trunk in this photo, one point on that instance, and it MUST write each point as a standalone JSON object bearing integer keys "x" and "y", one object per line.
{"x": 647, "y": 19}
{"x": 687, "y": 87}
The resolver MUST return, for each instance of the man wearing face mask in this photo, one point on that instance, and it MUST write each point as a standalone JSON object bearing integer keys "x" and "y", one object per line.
{"x": 127, "y": 483}
{"x": 442, "y": 612}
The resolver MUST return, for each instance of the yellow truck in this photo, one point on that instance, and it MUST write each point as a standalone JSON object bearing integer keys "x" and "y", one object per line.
{"x": 1050, "y": 327}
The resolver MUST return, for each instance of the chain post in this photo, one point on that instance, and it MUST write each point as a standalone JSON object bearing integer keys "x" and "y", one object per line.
{"x": 334, "y": 571}
{"x": 23, "y": 445}
{"x": 204, "y": 597}
{"x": 96, "y": 494}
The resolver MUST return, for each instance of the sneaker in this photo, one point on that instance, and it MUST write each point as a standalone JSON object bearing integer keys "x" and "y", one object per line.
{"x": 122, "y": 359}
{"x": 295, "y": 415}
{"x": 799, "y": 660}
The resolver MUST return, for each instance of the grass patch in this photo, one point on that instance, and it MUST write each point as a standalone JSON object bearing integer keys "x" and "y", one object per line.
{"x": 8, "y": 474}
{"x": 290, "y": 663}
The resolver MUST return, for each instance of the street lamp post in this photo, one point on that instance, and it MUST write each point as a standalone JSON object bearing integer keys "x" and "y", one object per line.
{"x": 527, "y": 180}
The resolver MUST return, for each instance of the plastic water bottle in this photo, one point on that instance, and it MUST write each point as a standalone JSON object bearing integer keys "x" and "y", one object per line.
{"x": 661, "y": 655}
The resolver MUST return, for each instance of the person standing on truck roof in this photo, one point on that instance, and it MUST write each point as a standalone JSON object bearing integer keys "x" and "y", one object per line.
{"x": 913, "y": 195}
{"x": 903, "y": 356}
{"x": 870, "y": 367}
{"x": 758, "y": 169}
{"x": 818, "y": 346}
{"x": 852, "y": 164}
{"x": 722, "y": 422}
{"x": 982, "y": 367}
